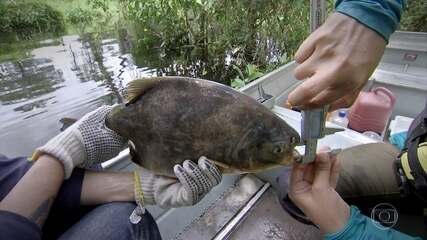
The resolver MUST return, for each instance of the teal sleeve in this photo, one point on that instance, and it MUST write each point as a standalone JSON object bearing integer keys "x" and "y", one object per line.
{"x": 398, "y": 140}
{"x": 382, "y": 16}
{"x": 361, "y": 227}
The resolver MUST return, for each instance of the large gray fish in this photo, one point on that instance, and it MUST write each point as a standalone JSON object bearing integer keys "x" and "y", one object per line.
{"x": 171, "y": 119}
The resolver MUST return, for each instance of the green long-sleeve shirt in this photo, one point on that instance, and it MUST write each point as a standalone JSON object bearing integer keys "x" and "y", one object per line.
{"x": 383, "y": 16}
{"x": 361, "y": 227}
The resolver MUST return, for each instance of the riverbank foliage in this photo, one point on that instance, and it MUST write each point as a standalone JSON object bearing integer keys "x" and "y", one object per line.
{"x": 229, "y": 41}
{"x": 414, "y": 18}
{"x": 21, "y": 20}
{"x": 206, "y": 38}
{"x": 86, "y": 16}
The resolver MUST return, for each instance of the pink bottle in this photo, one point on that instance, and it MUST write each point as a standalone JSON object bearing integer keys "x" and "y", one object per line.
{"x": 371, "y": 110}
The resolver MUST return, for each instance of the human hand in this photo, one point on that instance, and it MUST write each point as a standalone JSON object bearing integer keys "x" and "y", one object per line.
{"x": 86, "y": 142}
{"x": 191, "y": 184}
{"x": 336, "y": 60}
{"x": 312, "y": 189}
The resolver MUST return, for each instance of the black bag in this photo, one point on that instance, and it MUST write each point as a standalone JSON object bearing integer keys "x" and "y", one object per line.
{"x": 417, "y": 134}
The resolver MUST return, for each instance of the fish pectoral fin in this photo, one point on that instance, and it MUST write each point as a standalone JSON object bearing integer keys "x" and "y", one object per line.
{"x": 137, "y": 87}
{"x": 133, "y": 154}
{"x": 226, "y": 168}
{"x": 220, "y": 164}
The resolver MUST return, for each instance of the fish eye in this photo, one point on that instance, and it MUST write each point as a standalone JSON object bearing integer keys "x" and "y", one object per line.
{"x": 277, "y": 149}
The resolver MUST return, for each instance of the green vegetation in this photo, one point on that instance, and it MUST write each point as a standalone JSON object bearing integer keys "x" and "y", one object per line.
{"x": 10, "y": 52}
{"x": 80, "y": 18}
{"x": 18, "y": 50}
{"x": 251, "y": 73}
{"x": 23, "y": 23}
{"x": 415, "y": 16}
{"x": 93, "y": 26}
{"x": 92, "y": 16}
{"x": 229, "y": 41}
{"x": 209, "y": 39}
{"x": 24, "y": 19}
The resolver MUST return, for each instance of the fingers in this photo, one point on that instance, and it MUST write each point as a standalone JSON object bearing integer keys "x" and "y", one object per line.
{"x": 210, "y": 170}
{"x": 309, "y": 173}
{"x": 202, "y": 181}
{"x": 324, "y": 98}
{"x": 306, "y": 49}
{"x": 340, "y": 103}
{"x": 305, "y": 69}
{"x": 309, "y": 89}
{"x": 345, "y": 101}
{"x": 335, "y": 171}
{"x": 199, "y": 179}
{"x": 297, "y": 174}
{"x": 98, "y": 115}
{"x": 322, "y": 171}
{"x": 317, "y": 91}
{"x": 187, "y": 182}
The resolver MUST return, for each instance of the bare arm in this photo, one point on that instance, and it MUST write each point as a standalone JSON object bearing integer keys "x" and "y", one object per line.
{"x": 103, "y": 187}
{"x": 191, "y": 180}
{"x": 34, "y": 194}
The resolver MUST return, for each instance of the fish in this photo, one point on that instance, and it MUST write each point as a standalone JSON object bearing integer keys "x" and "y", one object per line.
{"x": 168, "y": 120}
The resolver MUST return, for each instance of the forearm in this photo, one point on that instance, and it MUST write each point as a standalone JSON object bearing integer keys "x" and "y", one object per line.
{"x": 104, "y": 187}
{"x": 34, "y": 194}
{"x": 330, "y": 216}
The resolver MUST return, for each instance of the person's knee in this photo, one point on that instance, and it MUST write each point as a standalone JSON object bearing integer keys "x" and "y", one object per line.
{"x": 146, "y": 228}
{"x": 120, "y": 206}
{"x": 121, "y": 212}
{"x": 118, "y": 210}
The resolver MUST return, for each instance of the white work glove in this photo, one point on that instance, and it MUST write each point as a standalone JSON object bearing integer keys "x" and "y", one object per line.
{"x": 191, "y": 184}
{"x": 88, "y": 141}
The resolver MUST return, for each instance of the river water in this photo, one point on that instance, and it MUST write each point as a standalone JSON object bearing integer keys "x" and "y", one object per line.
{"x": 59, "y": 80}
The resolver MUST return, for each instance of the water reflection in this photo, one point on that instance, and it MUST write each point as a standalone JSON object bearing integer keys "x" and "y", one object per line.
{"x": 78, "y": 74}
{"x": 28, "y": 79}
{"x": 32, "y": 105}
{"x": 64, "y": 80}
{"x": 186, "y": 61}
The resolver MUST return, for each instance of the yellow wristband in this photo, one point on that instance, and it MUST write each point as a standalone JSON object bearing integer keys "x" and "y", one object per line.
{"x": 139, "y": 195}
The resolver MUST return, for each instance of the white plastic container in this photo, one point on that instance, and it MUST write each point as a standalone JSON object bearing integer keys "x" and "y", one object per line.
{"x": 373, "y": 135}
{"x": 400, "y": 124}
{"x": 340, "y": 119}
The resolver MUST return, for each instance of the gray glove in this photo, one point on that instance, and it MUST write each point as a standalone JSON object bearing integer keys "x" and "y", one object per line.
{"x": 191, "y": 184}
{"x": 88, "y": 141}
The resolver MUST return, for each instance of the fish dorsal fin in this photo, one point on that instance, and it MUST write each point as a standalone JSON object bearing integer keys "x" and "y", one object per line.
{"x": 138, "y": 87}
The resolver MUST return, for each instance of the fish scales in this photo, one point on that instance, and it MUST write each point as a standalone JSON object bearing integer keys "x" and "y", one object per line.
{"x": 171, "y": 119}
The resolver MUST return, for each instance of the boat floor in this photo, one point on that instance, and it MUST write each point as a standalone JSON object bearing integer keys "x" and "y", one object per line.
{"x": 251, "y": 210}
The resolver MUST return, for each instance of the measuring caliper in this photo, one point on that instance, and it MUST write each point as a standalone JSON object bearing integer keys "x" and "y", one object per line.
{"x": 313, "y": 120}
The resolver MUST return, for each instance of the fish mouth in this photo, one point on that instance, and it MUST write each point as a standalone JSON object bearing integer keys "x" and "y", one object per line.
{"x": 296, "y": 156}
{"x": 289, "y": 159}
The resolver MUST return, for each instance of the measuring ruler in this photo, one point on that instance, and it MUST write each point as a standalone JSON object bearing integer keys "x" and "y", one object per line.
{"x": 313, "y": 121}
